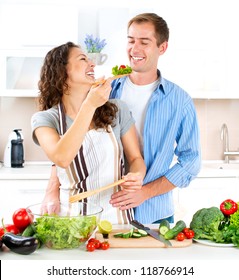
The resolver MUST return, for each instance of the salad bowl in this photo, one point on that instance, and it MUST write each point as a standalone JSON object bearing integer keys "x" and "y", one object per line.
{"x": 69, "y": 228}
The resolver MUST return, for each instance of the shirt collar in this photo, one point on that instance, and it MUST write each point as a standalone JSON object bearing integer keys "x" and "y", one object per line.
{"x": 162, "y": 83}
{"x": 161, "y": 86}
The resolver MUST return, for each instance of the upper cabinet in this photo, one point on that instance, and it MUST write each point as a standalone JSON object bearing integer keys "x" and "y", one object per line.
{"x": 30, "y": 25}
{"x": 27, "y": 32}
{"x": 202, "y": 55}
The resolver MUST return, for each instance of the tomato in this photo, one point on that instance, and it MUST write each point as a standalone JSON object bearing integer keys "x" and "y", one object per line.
{"x": 180, "y": 236}
{"x": 189, "y": 234}
{"x": 22, "y": 218}
{"x": 105, "y": 245}
{"x": 97, "y": 244}
{"x": 186, "y": 230}
{"x": 122, "y": 67}
{"x": 9, "y": 228}
{"x": 90, "y": 247}
{"x": 92, "y": 240}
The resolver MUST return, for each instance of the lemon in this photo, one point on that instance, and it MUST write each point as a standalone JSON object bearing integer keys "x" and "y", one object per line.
{"x": 105, "y": 227}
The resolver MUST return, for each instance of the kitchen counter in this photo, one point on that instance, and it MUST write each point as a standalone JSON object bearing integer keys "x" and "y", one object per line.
{"x": 41, "y": 170}
{"x": 31, "y": 171}
{"x": 196, "y": 251}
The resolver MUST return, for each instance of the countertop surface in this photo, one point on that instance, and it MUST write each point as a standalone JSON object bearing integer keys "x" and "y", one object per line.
{"x": 196, "y": 251}
{"x": 30, "y": 171}
{"x": 41, "y": 170}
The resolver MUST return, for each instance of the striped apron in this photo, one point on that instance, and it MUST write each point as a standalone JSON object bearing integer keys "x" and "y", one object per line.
{"x": 99, "y": 162}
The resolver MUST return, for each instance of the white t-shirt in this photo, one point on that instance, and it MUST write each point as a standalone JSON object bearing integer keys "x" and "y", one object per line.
{"x": 137, "y": 98}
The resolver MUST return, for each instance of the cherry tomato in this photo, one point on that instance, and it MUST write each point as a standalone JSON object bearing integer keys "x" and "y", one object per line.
{"x": 92, "y": 240}
{"x": 105, "y": 245}
{"x": 189, "y": 234}
{"x": 186, "y": 230}
{"x": 97, "y": 244}
{"x": 90, "y": 247}
{"x": 180, "y": 236}
{"x": 9, "y": 228}
{"x": 122, "y": 67}
{"x": 22, "y": 218}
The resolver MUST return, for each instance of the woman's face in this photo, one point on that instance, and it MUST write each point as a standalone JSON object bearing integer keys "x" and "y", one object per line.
{"x": 80, "y": 69}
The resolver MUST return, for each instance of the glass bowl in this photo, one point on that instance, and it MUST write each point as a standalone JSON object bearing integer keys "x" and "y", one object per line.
{"x": 69, "y": 228}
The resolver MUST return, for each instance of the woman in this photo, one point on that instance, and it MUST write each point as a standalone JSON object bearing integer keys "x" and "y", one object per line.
{"x": 83, "y": 133}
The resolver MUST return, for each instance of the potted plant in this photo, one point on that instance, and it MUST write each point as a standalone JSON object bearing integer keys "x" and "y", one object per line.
{"x": 94, "y": 46}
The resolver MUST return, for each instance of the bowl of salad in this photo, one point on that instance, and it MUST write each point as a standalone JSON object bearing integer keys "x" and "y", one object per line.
{"x": 67, "y": 229}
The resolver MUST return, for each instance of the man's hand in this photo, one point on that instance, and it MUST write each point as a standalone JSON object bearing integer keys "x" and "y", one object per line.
{"x": 126, "y": 200}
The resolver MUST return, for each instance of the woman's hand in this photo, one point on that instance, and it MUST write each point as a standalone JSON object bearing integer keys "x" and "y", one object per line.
{"x": 99, "y": 95}
{"x": 133, "y": 182}
{"x": 50, "y": 206}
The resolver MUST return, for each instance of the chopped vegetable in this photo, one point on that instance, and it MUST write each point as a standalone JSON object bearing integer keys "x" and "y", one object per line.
{"x": 134, "y": 233}
{"x": 164, "y": 226}
{"x": 228, "y": 207}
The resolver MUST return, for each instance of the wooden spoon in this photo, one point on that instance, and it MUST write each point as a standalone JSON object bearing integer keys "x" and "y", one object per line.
{"x": 101, "y": 82}
{"x": 83, "y": 195}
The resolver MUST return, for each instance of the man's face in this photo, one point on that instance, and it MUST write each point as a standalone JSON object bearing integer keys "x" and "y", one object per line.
{"x": 142, "y": 49}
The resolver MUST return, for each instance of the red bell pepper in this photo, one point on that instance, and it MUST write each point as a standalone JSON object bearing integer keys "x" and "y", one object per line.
{"x": 228, "y": 207}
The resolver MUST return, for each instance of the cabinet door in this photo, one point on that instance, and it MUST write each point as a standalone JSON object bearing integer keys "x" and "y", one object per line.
{"x": 16, "y": 194}
{"x": 206, "y": 192}
{"x": 37, "y": 24}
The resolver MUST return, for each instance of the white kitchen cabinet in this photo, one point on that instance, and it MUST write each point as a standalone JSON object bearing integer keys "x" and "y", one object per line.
{"x": 206, "y": 192}
{"x": 36, "y": 24}
{"x": 16, "y": 194}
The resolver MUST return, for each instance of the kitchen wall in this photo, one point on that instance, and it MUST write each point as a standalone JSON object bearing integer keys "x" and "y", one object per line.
{"x": 16, "y": 113}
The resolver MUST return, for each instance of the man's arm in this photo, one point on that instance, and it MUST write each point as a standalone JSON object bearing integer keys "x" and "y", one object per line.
{"x": 125, "y": 200}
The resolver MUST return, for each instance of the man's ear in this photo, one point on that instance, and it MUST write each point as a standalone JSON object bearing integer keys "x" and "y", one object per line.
{"x": 163, "y": 47}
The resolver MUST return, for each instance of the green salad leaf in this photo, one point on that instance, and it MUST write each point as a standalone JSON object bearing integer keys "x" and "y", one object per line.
{"x": 121, "y": 70}
{"x": 64, "y": 232}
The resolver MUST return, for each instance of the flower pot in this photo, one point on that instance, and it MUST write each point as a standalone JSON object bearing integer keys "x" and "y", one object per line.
{"x": 97, "y": 58}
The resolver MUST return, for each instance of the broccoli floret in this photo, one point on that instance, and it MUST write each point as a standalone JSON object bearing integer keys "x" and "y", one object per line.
{"x": 205, "y": 224}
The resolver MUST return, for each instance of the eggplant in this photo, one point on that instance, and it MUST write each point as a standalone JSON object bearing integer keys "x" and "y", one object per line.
{"x": 20, "y": 244}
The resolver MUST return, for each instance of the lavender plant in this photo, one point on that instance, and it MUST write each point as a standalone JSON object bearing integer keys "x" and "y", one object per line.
{"x": 94, "y": 45}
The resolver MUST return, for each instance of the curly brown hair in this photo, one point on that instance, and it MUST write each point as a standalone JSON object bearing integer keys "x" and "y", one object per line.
{"x": 53, "y": 83}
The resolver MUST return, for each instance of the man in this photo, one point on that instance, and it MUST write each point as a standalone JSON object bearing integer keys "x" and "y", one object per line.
{"x": 166, "y": 122}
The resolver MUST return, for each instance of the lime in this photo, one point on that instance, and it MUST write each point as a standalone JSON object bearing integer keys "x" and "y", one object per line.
{"x": 105, "y": 227}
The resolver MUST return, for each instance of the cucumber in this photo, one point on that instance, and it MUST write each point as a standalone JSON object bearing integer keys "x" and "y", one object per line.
{"x": 136, "y": 235}
{"x": 30, "y": 230}
{"x": 142, "y": 232}
{"x": 126, "y": 234}
{"x": 164, "y": 227}
{"x": 171, "y": 233}
{"x": 119, "y": 234}
{"x": 131, "y": 232}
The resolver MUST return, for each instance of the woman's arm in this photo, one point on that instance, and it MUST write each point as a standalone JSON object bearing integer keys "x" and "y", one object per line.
{"x": 51, "y": 201}
{"x": 137, "y": 168}
{"x": 62, "y": 150}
